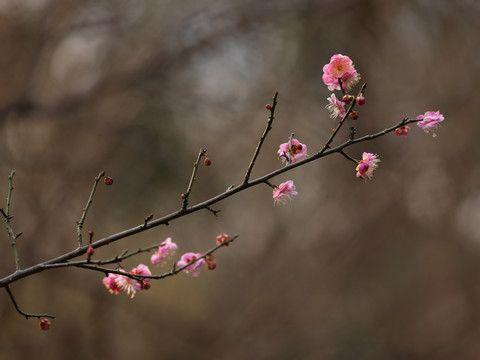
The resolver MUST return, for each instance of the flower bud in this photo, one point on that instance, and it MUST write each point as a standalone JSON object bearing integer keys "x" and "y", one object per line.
{"x": 108, "y": 180}
{"x": 360, "y": 99}
{"x": 207, "y": 161}
{"x": 211, "y": 265}
{"x": 44, "y": 324}
{"x": 90, "y": 250}
{"x": 268, "y": 107}
{"x": 354, "y": 115}
{"x": 347, "y": 99}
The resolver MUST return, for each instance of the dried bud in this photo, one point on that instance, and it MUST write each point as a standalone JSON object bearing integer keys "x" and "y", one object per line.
{"x": 347, "y": 99}
{"x": 44, "y": 324}
{"x": 268, "y": 107}
{"x": 108, "y": 180}
{"x": 90, "y": 250}
{"x": 211, "y": 265}
{"x": 360, "y": 99}
{"x": 354, "y": 115}
{"x": 207, "y": 161}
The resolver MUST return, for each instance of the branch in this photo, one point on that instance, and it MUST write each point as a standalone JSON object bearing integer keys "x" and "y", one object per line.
{"x": 27, "y": 315}
{"x": 8, "y": 217}
{"x": 202, "y": 205}
{"x": 262, "y": 138}
{"x": 85, "y": 209}
{"x": 192, "y": 178}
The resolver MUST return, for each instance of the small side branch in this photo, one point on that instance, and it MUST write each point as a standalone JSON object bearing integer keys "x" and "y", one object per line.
{"x": 8, "y": 217}
{"x": 27, "y": 315}
{"x": 262, "y": 139}
{"x": 185, "y": 196}
{"x": 85, "y": 209}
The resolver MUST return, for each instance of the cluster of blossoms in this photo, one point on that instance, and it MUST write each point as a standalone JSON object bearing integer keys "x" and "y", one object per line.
{"x": 117, "y": 283}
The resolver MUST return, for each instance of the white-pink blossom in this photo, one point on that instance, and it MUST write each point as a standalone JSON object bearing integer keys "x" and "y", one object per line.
{"x": 336, "y": 107}
{"x": 366, "y": 166}
{"x": 131, "y": 286}
{"x": 284, "y": 192}
{"x": 430, "y": 121}
{"x": 292, "y": 152}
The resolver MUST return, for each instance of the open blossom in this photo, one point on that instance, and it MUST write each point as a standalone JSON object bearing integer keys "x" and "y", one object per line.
{"x": 340, "y": 67}
{"x": 111, "y": 284}
{"x": 366, "y": 166}
{"x": 402, "y": 130}
{"x": 292, "y": 152}
{"x": 283, "y": 193}
{"x": 430, "y": 121}
{"x": 131, "y": 286}
{"x": 165, "y": 250}
{"x": 336, "y": 107}
{"x": 193, "y": 269}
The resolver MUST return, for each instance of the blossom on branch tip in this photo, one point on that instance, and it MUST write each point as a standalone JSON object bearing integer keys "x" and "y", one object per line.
{"x": 284, "y": 192}
{"x": 291, "y": 152}
{"x": 223, "y": 238}
{"x": 193, "y": 269}
{"x": 336, "y": 107}
{"x": 402, "y": 130}
{"x": 430, "y": 121}
{"x": 44, "y": 324}
{"x": 165, "y": 250}
{"x": 366, "y": 166}
{"x": 340, "y": 67}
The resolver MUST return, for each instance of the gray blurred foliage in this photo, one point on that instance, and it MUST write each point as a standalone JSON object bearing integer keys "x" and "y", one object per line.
{"x": 388, "y": 269}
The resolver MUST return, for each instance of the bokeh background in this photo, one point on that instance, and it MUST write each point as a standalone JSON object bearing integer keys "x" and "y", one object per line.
{"x": 388, "y": 269}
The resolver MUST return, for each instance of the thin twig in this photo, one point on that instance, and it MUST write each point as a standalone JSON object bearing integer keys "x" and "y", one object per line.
{"x": 348, "y": 156}
{"x": 85, "y": 209}
{"x": 262, "y": 139}
{"x": 8, "y": 217}
{"x": 192, "y": 178}
{"x": 27, "y": 315}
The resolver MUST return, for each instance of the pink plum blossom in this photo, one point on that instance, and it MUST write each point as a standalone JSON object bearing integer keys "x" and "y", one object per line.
{"x": 402, "y": 130}
{"x": 283, "y": 193}
{"x": 111, "y": 284}
{"x": 340, "y": 67}
{"x": 366, "y": 166}
{"x": 291, "y": 153}
{"x": 430, "y": 121}
{"x": 165, "y": 250}
{"x": 336, "y": 107}
{"x": 222, "y": 238}
{"x": 131, "y": 286}
{"x": 193, "y": 269}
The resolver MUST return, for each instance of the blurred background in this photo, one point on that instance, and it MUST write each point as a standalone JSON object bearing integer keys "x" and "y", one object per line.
{"x": 388, "y": 269}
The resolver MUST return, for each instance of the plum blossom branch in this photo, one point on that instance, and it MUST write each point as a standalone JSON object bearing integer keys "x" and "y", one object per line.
{"x": 62, "y": 259}
{"x": 262, "y": 138}
{"x": 85, "y": 209}
{"x": 27, "y": 315}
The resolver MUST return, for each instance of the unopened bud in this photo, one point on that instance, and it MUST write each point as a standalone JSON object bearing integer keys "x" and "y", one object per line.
{"x": 108, "y": 180}
{"x": 182, "y": 196}
{"x": 354, "y": 115}
{"x": 360, "y": 99}
{"x": 211, "y": 265}
{"x": 90, "y": 250}
{"x": 44, "y": 324}
{"x": 268, "y": 107}
{"x": 347, "y": 99}
{"x": 207, "y": 161}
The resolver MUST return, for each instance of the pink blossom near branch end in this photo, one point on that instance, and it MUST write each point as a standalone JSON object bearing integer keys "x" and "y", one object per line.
{"x": 164, "y": 251}
{"x": 336, "y": 107}
{"x": 430, "y": 121}
{"x": 340, "y": 67}
{"x": 193, "y": 269}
